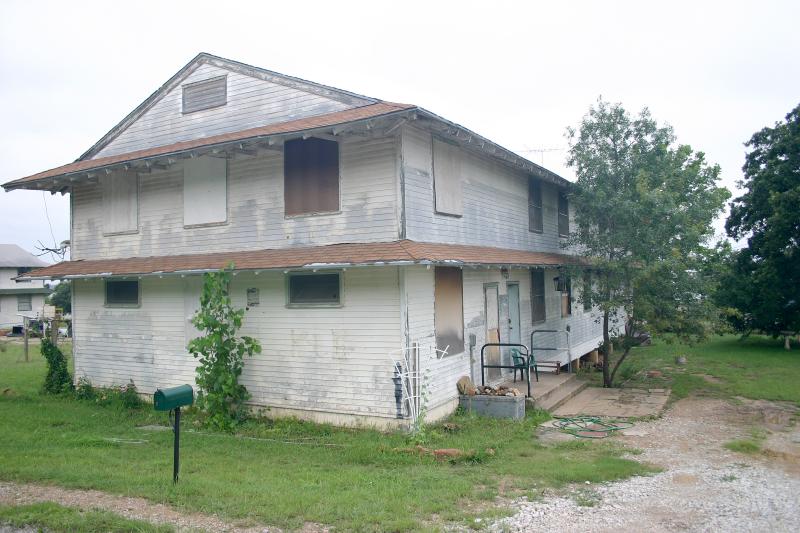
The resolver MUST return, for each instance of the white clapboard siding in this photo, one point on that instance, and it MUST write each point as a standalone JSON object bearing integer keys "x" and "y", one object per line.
{"x": 495, "y": 202}
{"x": 368, "y": 196}
{"x": 251, "y": 103}
{"x": 442, "y": 373}
{"x": 333, "y": 360}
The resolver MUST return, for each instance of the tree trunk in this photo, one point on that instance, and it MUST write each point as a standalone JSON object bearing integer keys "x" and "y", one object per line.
{"x": 606, "y": 352}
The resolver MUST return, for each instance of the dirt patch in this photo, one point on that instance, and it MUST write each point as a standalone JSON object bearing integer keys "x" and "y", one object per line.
{"x": 703, "y": 486}
{"x": 709, "y": 378}
{"x": 135, "y": 508}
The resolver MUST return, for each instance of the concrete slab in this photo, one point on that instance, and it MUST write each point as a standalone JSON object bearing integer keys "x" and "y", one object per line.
{"x": 617, "y": 403}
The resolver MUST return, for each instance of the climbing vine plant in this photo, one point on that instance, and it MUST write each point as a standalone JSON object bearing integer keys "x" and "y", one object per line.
{"x": 221, "y": 353}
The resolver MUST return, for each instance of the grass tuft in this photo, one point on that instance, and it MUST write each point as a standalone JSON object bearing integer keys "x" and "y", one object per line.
{"x": 57, "y": 518}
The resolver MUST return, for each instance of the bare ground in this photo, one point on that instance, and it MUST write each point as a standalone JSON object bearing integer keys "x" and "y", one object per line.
{"x": 135, "y": 508}
{"x": 703, "y": 486}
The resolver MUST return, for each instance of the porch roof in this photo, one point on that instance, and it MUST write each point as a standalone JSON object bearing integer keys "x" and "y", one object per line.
{"x": 404, "y": 252}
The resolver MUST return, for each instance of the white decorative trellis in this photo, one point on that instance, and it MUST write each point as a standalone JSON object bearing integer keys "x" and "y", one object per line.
{"x": 412, "y": 369}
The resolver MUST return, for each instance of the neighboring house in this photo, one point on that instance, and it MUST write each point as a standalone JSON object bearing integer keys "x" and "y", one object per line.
{"x": 357, "y": 228}
{"x": 19, "y": 298}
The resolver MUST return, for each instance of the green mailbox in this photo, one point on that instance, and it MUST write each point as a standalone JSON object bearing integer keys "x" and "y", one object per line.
{"x": 173, "y": 397}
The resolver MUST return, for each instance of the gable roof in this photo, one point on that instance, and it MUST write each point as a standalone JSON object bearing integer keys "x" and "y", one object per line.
{"x": 353, "y": 99}
{"x": 364, "y": 110}
{"x": 12, "y": 256}
{"x": 330, "y": 256}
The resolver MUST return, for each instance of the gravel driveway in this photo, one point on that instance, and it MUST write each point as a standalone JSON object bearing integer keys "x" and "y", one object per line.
{"x": 703, "y": 486}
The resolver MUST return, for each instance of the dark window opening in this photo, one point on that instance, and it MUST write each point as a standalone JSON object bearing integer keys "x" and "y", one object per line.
{"x": 566, "y": 300}
{"x": 448, "y": 309}
{"x": 205, "y": 94}
{"x": 538, "y": 309}
{"x": 122, "y": 292}
{"x": 310, "y": 176}
{"x": 535, "y": 219}
{"x": 563, "y": 215}
{"x": 587, "y": 288}
{"x": 21, "y": 271}
{"x": 314, "y": 289}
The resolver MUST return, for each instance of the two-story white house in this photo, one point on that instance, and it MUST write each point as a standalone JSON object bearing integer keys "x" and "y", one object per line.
{"x": 19, "y": 298}
{"x": 357, "y": 227}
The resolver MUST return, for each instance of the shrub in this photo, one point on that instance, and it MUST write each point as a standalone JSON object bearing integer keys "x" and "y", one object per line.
{"x": 129, "y": 396}
{"x": 84, "y": 390}
{"x": 57, "y": 379}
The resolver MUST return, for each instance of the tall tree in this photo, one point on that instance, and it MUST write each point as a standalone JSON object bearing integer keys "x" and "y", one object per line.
{"x": 62, "y": 296}
{"x": 644, "y": 206}
{"x": 767, "y": 271}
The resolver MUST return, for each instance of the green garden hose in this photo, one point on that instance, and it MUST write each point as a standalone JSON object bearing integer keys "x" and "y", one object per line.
{"x": 590, "y": 427}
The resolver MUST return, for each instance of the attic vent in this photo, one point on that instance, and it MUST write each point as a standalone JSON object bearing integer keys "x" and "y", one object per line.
{"x": 205, "y": 94}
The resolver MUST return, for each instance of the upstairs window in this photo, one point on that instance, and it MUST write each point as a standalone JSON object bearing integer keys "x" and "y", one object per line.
{"x": 310, "y": 176}
{"x": 21, "y": 271}
{"x": 538, "y": 310}
{"x": 563, "y": 214}
{"x": 315, "y": 289}
{"x": 120, "y": 202}
{"x": 24, "y": 302}
{"x": 205, "y": 94}
{"x": 447, "y": 179}
{"x": 122, "y": 293}
{"x": 535, "y": 219}
{"x": 205, "y": 191}
{"x": 448, "y": 309}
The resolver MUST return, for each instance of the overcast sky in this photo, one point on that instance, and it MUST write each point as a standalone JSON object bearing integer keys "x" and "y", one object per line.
{"x": 517, "y": 73}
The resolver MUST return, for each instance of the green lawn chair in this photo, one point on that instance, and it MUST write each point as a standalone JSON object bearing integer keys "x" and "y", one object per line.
{"x": 522, "y": 365}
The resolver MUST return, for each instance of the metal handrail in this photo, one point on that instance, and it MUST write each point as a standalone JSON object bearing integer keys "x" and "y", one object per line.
{"x": 509, "y": 345}
{"x": 565, "y": 331}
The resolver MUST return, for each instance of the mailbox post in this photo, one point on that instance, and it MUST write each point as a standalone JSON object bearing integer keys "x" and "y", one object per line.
{"x": 173, "y": 399}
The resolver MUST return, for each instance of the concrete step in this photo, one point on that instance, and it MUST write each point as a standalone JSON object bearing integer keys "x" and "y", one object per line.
{"x": 558, "y": 396}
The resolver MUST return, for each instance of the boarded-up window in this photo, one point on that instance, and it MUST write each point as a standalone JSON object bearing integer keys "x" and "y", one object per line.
{"x": 310, "y": 176}
{"x": 538, "y": 310}
{"x": 205, "y": 94}
{"x": 122, "y": 293}
{"x": 448, "y": 309}
{"x": 315, "y": 289}
{"x": 24, "y": 302}
{"x": 120, "y": 202}
{"x": 566, "y": 300}
{"x": 563, "y": 214}
{"x": 447, "y": 178}
{"x": 535, "y": 219}
{"x": 205, "y": 191}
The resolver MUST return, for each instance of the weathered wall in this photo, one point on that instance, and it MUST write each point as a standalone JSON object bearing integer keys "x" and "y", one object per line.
{"x": 326, "y": 360}
{"x": 252, "y": 102}
{"x": 7, "y": 281}
{"x": 9, "y": 316}
{"x": 368, "y": 195}
{"x": 495, "y": 202}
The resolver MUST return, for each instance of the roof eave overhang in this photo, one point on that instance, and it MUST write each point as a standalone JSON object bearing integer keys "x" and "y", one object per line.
{"x": 313, "y": 267}
{"x": 62, "y": 182}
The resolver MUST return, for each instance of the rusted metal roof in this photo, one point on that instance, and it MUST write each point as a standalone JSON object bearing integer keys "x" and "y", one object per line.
{"x": 292, "y": 126}
{"x": 307, "y": 257}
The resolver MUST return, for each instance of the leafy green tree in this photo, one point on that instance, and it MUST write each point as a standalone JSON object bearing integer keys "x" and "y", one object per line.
{"x": 644, "y": 206}
{"x": 766, "y": 274}
{"x": 221, "y": 354}
{"x": 58, "y": 378}
{"x": 62, "y": 296}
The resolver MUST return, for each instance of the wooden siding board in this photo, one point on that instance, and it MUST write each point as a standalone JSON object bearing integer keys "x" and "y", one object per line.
{"x": 251, "y": 102}
{"x": 495, "y": 202}
{"x": 255, "y": 209}
{"x": 326, "y": 359}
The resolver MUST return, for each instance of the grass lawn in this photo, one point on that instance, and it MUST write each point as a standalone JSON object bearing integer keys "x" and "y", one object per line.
{"x": 57, "y": 518}
{"x": 285, "y": 473}
{"x": 756, "y": 367}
